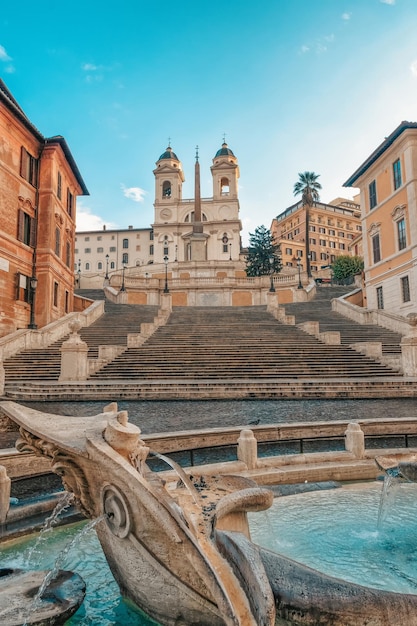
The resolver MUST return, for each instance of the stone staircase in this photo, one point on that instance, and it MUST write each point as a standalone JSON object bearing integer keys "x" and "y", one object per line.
{"x": 224, "y": 343}
{"x": 320, "y": 310}
{"x": 111, "y": 328}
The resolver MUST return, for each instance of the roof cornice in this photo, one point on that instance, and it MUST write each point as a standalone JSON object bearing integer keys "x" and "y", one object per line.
{"x": 388, "y": 141}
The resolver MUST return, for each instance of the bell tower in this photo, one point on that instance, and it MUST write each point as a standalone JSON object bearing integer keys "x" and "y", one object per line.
{"x": 168, "y": 179}
{"x": 225, "y": 172}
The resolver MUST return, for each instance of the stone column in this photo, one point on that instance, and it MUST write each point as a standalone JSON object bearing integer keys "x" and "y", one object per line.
{"x": 409, "y": 348}
{"x": 166, "y": 302}
{"x": 74, "y": 365}
{"x": 355, "y": 440}
{"x": 5, "y": 484}
{"x": 247, "y": 449}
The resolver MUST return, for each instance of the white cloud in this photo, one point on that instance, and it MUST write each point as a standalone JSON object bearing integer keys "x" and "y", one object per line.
{"x": 134, "y": 193}
{"x": 319, "y": 46}
{"x": 346, "y": 16}
{"x": 3, "y": 54}
{"x": 89, "y": 67}
{"x": 86, "y": 220}
{"x": 387, "y": 1}
{"x": 413, "y": 67}
{"x": 305, "y": 49}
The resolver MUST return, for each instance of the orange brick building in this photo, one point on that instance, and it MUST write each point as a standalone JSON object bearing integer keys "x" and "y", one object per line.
{"x": 39, "y": 184}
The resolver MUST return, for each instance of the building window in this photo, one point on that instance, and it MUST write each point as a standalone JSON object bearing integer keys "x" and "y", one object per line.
{"x": 312, "y": 229}
{"x": 341, "y": 246}
{"x": 405, "y": 289}
{"x": 59, "y": 186}
{"x": 70, "y": 203}
{"x": 125, "y": 243}
{"x": 99, "y": 249}
{"x": 86, "y": 238}
{"x": 166, "y": 250}
{"x": 396, "y": 170}
{"x": 26, "y": 229}
{"x": 29, "y": 167}
{"x": 299, "y": 253}
{"x": 340, "y": 234}
{"x": 322, "y": 230}
{"x": 22, "y": 287}
{"x": 151, "y": 235}
{"x": 87, "y": 250}
{"x": 372, "y": 195}
{"x": 313, "y": 255}
{"x": 125, "y": 258}
{"x": 332, "y": 244}
{"x": 87, "y": 267}
{"x": 332, "y": 233}
{"x": 112, "y": 248}
{"x": 376, "y": 249}
{"x": 99, "y": 265}
{"x": 402, "y": 238}
{"x": 288, "y": 250}
{"x": 99, "y": 238}
{"x": 112, "y": 265}
{"x": 312, "y": 241}
{"x": 324, "y": 256}
{"x": 56, "y": 287}
{"x": 379, "y": 298}
{"x": 68, "y": 254}
{"x": 322, "y": 242}
{"x": 57, "y": 241}
{"x": 151, "y": 249}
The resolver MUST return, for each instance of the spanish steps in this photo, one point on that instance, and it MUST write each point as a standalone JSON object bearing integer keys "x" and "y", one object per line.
{"x": 240, "y": 347}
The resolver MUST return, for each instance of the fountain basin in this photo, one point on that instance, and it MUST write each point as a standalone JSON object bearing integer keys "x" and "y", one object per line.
{"x": 60, "y": 601}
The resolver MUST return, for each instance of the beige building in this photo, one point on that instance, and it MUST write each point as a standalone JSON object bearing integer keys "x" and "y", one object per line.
{"x": 101, "y": 254}
{"x": 332, "y": 227}
{"x": 388, "y": 198}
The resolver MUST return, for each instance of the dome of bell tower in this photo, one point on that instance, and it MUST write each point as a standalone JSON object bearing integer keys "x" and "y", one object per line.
{"x": 224, "y": 151}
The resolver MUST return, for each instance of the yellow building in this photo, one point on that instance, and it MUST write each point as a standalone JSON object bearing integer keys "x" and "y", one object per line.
{"x": 388, "y": 199}
{"x": 332, "y": 227}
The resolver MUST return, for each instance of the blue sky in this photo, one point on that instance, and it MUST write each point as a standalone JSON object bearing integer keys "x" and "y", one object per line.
{"x": 294, "y": 84}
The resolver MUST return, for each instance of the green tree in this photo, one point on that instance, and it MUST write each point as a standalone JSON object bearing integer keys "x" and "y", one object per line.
{"x": 345, "y": 266}
{"x": 308, "y": 186}
{"x": 263, "y": 253}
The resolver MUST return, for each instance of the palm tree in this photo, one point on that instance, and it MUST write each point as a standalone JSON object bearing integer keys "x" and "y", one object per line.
{"x": 308, "y": 186}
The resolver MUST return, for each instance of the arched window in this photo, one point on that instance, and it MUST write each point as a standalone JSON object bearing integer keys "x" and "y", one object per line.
{"x": 166, "y": 189}
{"x": 125, "y": 258}
{"x": 87, "y": 266}
{"x": 100, "y": 265}
{"x": 225, "y": 241}
{"x": 125, "y": 243}
{"x": 112, "y": 265}
{"x": 190, "y": 217}
{"x": 224, "y": 186}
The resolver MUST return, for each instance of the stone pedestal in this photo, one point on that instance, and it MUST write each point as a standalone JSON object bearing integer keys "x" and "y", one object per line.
{"x": 74, "y": 352}
{"x": 355, "y": 440}
{"x": 247, "y": 449}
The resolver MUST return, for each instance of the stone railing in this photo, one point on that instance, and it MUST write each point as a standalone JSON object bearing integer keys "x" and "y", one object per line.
{"x": 27, "y": 339}
{"x": 390, "y": 321}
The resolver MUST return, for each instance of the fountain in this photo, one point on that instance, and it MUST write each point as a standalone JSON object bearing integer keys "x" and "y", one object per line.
{"x": 190, "y": 538}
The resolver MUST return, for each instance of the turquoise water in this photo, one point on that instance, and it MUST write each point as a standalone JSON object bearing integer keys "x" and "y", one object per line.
{"x": 336, "y": 532}
{"x": 103, "y": 604}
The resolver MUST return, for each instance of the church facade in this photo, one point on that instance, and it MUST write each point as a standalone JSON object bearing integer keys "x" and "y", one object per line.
{"x": 197, "y": 229}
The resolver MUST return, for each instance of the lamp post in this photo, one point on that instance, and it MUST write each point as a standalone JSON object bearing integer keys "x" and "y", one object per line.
{"x": 107, "y": 267}
{"x": 166, "y": 290}
{"x": 79, "y": 273}
{"x": 230, "y": 251}
{"x": 271, "y": 266}
{"x": 122, "y": 288}
{"x": 300, "y": 286}
{"x": 33, "y": 283}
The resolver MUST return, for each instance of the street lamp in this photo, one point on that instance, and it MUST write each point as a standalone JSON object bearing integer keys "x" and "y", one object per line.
{"x": 79, "y": 273}
{"x": 33, "y": 283}
{"x": 166, "y": 290}
{"x": 107, "y": 267}
{"x": 230, "y": 251}
{"x": 122, "y": 288}
{"x": 271, "y": 265}
{"x": 300, "y": 286}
